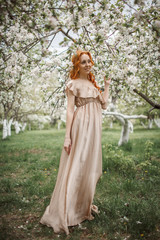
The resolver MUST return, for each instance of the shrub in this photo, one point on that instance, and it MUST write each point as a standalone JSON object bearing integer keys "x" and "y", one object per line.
{"x": 114, "y": 159}
{"x": 148, "y": 150}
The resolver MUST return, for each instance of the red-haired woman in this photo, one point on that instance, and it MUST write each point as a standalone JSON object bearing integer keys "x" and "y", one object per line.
{"x": 81, "y": 158}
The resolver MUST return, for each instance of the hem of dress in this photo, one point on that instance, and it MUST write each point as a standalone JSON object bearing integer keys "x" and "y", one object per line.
{"x": 81, "y": 220}
{"x": 66, "y": 230}
{"x": 62, "y": 230}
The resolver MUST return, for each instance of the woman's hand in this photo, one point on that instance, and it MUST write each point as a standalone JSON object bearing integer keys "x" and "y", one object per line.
{"x": 67, "y": 145}
{"x": 107, "y": 82}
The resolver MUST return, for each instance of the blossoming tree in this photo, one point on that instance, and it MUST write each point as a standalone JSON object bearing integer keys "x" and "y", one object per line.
{"x": 121, "y": 36}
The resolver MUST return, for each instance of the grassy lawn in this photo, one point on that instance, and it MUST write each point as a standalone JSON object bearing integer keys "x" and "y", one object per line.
{"x": 128, "y": 193}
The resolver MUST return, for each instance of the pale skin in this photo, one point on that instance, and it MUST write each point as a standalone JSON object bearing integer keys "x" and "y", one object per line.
{"x": 85, "y": 67}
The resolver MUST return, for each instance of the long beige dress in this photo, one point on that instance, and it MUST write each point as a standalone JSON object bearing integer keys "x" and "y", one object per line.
{"x": 72, "y": 198}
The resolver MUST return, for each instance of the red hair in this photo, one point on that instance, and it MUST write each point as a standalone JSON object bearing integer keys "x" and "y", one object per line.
{"x": 74, "y": 72}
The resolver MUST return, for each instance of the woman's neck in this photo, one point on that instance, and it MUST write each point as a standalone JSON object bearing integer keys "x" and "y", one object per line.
{"x": 83, "y": 77}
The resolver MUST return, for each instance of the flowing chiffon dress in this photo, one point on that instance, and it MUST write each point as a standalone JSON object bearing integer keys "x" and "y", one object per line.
{"x": 72, "y": 198}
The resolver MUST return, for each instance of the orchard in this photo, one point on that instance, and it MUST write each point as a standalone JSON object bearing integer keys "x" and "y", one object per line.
{"x": 122, "y": 36}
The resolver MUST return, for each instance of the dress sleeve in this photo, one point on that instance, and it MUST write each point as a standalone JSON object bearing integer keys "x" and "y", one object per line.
{"x": 103, "y": 103}
{"x": 70, "y": 86}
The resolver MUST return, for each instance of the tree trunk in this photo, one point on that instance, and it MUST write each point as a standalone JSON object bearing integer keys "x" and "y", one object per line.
{"x": 24, "y": 126}
{"x": 150, "y": 123}
{"x": 127, "y": 127}
{"x": 111, "y": 123}
{"x": 59, "y": 124}
{"x": 20, "y": 126}
{"x": 9, "y": 126}
{"x": 17, "y": 128}
{"x": 143, "y": 125}
{"x": 5, "y": 132}
{"x": 40, "y": 126}
{"x": 157, "y": 122}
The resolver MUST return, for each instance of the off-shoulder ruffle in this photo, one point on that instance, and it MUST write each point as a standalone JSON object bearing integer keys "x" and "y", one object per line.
{"x": 80, "y": 90}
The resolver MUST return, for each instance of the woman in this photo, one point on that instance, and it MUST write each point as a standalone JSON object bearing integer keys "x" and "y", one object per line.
{"x": 81, "y": 158}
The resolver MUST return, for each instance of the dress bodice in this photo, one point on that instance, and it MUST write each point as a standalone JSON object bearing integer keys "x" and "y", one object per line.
{"x": 79, "y": 102}
{"x": 84, "y": 94}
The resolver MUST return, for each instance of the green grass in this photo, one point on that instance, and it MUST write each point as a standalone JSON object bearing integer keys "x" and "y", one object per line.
{"x": 127, "y": 194}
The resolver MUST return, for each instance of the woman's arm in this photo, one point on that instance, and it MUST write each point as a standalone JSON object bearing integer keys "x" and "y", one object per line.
{"x": 69, "y": 119}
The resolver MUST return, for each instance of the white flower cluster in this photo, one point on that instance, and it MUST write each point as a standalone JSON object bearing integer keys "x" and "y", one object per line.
{"x": 121, "y": 47}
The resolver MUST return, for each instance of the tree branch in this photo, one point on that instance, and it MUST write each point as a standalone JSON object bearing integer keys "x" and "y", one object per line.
{"x": 67, "y": 35}
{"x": 153, "y": 104}
{"x": 125, "y": 116}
